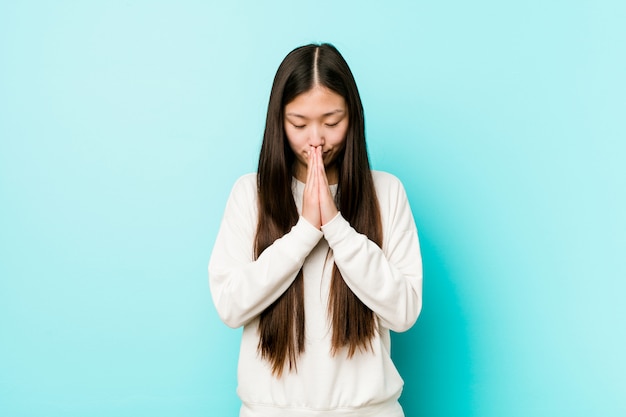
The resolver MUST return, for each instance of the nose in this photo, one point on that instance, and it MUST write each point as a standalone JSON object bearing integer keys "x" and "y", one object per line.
{"x": 316, "y": 136}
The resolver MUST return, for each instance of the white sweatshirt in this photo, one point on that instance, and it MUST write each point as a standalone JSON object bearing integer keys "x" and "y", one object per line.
{"x": 388, "y": 281}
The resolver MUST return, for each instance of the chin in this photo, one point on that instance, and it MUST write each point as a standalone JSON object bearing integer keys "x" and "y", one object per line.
{"x": 329, "y": 159}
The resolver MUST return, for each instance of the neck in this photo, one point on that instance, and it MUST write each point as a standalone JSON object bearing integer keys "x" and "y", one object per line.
{"x": 332, "y": 176}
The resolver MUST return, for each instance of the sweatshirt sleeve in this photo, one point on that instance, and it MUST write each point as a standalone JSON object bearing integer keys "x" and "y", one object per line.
{"x": 241, "y": 286}
{"x": 387, "y": 280}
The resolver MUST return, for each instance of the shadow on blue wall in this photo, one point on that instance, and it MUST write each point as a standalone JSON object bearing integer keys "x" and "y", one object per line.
{"x": 433, "y": 357}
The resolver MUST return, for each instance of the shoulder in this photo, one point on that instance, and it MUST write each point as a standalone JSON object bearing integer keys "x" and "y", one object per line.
{"x": 393, "y": 202}
{"x": 246, "y": 184}
{"x": 386, "y": 182}
{"x": 243, "y": 194}
{"x": 390, "y": 192}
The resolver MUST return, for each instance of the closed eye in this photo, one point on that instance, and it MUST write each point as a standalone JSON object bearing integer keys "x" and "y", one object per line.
{"x": 332, "y": 124}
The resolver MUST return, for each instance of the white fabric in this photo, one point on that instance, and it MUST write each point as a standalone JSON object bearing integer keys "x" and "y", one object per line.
{"x": 388, "y": 281}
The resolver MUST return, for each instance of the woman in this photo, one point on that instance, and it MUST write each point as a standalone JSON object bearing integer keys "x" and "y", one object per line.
{"x": 317, "y": 256}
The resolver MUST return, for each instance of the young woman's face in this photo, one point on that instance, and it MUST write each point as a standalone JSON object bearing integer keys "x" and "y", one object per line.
{"x": 318, "y": 117}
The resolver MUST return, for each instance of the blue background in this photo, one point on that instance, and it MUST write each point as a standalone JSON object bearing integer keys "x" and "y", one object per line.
{"x": 123, "y": 125}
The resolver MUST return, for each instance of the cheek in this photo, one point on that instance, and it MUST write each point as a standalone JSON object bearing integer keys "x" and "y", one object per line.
{"x": 294, "y": 141}
{"x": 338, "y": 137}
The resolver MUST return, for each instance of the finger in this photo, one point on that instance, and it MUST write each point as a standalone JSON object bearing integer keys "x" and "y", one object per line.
{"x": 328, "y": 208}
{"x": 314, "y": 175}
{"x": 310, "y": 201}
{"x": 321, "y": 169}
{"x": 310, "y": 165}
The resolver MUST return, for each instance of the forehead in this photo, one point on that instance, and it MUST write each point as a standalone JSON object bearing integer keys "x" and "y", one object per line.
{"x": 318, "y": 100}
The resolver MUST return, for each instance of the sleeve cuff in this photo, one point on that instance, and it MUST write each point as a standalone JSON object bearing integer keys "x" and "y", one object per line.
{"x": 336, "y": 229}
{"x": 308, "y": 233}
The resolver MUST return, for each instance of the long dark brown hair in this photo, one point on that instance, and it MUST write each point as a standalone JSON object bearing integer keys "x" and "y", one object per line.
{"x": 281, "y": 326}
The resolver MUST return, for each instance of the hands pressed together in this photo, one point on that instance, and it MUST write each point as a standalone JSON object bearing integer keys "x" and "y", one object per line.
{"x": 318, "y": 206}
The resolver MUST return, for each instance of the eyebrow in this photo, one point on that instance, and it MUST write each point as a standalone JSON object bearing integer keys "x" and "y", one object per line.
{"x": 336, "y": 111}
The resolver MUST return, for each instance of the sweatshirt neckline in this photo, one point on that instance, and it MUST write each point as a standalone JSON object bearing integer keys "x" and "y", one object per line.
{"x": 300, "y": 186}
